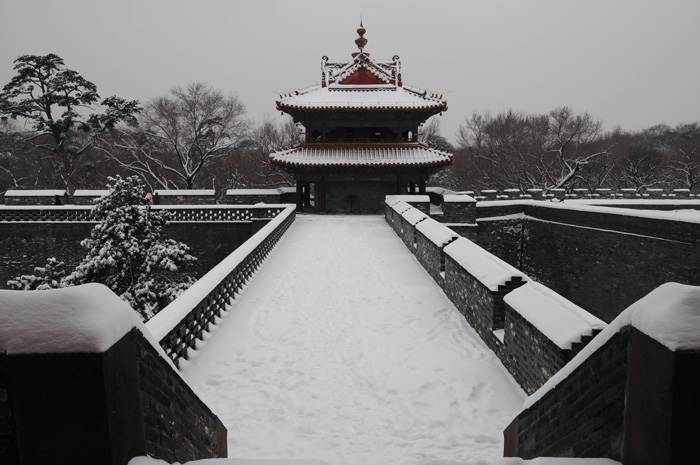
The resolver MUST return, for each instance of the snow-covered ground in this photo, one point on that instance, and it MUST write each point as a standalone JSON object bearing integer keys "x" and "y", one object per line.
{"x": 343, "y": 349}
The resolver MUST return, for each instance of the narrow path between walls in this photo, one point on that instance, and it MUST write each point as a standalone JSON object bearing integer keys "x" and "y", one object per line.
{"x": 343, "y": 349}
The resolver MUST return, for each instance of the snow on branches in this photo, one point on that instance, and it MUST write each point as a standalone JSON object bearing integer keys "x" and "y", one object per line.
{"x": 126, "y": 253}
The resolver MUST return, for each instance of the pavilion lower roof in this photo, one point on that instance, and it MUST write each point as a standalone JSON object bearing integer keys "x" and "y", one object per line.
{"x": 375, "y": 155}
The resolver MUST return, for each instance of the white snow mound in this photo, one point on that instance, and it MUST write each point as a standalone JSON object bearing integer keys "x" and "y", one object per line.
{"x": 88, "y": 318}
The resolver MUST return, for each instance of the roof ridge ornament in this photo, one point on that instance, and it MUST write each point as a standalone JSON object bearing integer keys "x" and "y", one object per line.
{"x": 361, "y": 42}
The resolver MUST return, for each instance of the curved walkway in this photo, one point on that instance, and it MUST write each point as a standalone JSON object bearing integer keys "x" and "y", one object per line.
{"x": 343, "y": 349}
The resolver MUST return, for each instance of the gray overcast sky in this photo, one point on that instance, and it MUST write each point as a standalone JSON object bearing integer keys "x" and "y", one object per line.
{"x": 631, "y": 63}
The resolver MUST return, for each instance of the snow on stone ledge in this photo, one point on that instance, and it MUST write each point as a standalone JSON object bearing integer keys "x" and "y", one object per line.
{"x": 560, "y": 320}
{"x": 400, "y": 206}
{"x": 455, "y": 198}
{"x": 178, "y": 192}
{"x": 414, "y": 216}
{"x": 91, "y": 192}
{"x": 436, "y": 233}
{"x": 484, "y": 266}
{"x": 409, "y": 198}
{"x": 35, "y": 193}
{"x": 670, "y": 314}
{"x": 88, "y": 318}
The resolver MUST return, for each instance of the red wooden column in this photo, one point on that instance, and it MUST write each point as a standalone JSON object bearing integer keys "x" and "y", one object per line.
{"x": 421, "y": 188}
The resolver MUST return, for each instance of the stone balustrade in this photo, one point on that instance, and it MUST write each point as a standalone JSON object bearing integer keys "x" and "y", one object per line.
{"x": 178, "y": 213}
{"x": 181, "y": 323}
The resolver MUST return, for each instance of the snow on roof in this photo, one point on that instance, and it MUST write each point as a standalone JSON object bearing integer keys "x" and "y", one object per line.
{"x": 342, "y": 97}
{"x": 90, "y": 192}
{"x": 436, "y": 233}
{"x": 484, "y": 266}
{"x": 168, "y": 192}
{"x": 454, "y": 198}
{"x": 560, "y": 320}
{"x": 87, "y": 318}
{"x": 414, "y": 216}
{"x": 670, "y": 314}
{"x": 379, "y": 155}
{"x": 35, "y": 193}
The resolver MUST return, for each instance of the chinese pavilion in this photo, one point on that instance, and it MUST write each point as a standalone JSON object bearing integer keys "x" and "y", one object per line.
{"x": 362, "y": 139}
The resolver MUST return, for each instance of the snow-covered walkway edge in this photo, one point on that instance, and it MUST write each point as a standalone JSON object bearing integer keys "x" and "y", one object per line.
{"x": 342, "y": 349}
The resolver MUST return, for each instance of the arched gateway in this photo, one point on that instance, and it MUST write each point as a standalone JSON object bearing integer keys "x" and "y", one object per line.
{"x": 362, "y": 135}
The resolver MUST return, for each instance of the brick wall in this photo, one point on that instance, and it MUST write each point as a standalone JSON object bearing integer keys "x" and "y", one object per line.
{"x": 177, "y": 425}
{"x": 583, "y": 416}
{"x": 603, "y": 262}
{"x": 531, "y": 357}
{"x": 8, "y": 448}
{"x": 87, "y": 408}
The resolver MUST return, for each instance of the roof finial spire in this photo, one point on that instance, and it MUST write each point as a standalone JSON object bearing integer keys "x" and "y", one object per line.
{"x": 361, "y": 41}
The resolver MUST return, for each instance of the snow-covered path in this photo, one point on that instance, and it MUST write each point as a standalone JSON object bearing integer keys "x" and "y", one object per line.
{"x": 343, "y": 349}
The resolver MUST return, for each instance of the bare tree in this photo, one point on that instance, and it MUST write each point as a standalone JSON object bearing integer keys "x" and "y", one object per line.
{"x": 180, "y": 135}
{"x": 685, "y": 154}
{"x": 517, "y": 150}
{"x": 265, "y": 139}
{"x": 644, "y": 168}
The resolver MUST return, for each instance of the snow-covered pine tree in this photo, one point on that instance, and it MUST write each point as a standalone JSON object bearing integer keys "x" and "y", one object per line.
{"x": 126, "y": 252}
{"x": 47, "y": 277}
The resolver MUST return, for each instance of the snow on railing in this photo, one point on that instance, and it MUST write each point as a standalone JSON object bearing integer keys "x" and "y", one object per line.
{"x": 181, "y": 323}
{"x": 177, "y": 212}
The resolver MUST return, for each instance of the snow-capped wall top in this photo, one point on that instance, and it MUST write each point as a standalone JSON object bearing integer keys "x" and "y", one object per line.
{"x": 88, "y": 318}
{"x": 34, "y": 193}
{"x": 414, "y": 216}
{"x": 455, "y": 198}
{"x": 399, "y": 206}
{"x": 670, "y": 314}
{"x": 177, "y": 192}
{"x": 437, "y": 233}
{"x": 560, "y": 320}
{"x": 253, "y": 192}
{"x": 490, "y": 270}
{"x": 90, "y": 192}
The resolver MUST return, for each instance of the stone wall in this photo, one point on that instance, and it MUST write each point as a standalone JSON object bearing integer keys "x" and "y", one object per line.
{"x": 87, "y": 408}
{"x": 601, "y": 260}
{"x": 177, "y": 426}
{"x": 477, "y": 283}
{"x": 531, "y": 357}
{"x": 26, "y": 245}
{"x": 583, "y": 416}
{"x": 632, "y": 399}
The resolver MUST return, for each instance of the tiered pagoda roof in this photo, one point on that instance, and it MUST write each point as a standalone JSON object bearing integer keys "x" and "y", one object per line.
{"x": 361, "y": 93}
{"x": 364, "y": 155}
{"x": 361, "y": 83}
